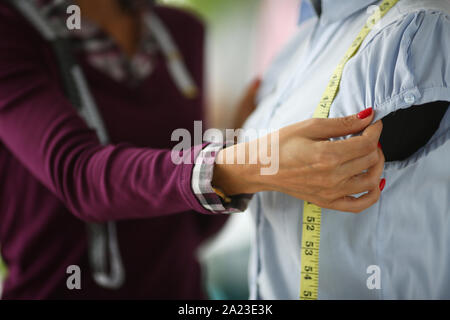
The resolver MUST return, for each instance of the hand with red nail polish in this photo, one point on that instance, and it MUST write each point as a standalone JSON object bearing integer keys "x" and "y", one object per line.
{"x": 311, "y": 166}
{"x": 365, "y": 113}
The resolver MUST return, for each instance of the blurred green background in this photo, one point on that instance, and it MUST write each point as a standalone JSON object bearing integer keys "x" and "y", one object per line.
{"x": 209, "y": 9}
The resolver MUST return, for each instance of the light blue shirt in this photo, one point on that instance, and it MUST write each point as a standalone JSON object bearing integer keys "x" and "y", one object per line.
{"x": 405, "y": 61}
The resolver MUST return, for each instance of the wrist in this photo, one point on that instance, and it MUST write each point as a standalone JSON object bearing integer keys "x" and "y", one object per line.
{"x": 234, "y": 178}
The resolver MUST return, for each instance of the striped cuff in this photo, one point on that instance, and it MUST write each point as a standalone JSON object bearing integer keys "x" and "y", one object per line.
{"x": 202, "y": 175}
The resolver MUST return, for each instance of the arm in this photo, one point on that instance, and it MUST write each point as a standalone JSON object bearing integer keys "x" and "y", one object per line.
{"x": 40, "y": 127}
{"x": 310, "y": 166}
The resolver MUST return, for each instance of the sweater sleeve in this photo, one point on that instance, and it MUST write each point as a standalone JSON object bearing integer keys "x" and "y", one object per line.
{"x": 43, "y": 131}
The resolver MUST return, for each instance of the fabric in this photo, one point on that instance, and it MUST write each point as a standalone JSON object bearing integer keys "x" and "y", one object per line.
{"x": 203, "y": 189}
{"x": 404, "y": 62}
{"x": 103, "y": 53}
{"x": 55, "y": 175}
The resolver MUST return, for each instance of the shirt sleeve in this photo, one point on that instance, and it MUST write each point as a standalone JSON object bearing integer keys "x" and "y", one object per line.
{"x": 404, "y": 64}
{"x": 201, "y": 184}
{"x": 44, "y": 132}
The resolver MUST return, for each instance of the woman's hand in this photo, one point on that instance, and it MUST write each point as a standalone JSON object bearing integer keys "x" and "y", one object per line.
{"x": 247, "y": 104}
{"x": 311, "y": 167}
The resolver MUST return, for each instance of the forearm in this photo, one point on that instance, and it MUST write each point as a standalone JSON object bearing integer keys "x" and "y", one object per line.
{"x": 97, "y": 183}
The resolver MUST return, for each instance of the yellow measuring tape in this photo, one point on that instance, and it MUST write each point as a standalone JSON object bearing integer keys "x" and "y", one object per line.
{"x": 309, "y": 279}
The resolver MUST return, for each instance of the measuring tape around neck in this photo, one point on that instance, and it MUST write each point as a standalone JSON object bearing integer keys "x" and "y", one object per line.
{"x": 309, "y": 274}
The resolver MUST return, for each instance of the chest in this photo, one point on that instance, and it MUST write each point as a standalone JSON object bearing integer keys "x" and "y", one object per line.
{"x": 143, "y": 114}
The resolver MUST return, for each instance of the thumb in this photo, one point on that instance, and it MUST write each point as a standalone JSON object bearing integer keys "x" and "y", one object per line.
{"x": 247, "y": 104}
{"x": 339, "y": 127}
{"x": 252, "y": 92}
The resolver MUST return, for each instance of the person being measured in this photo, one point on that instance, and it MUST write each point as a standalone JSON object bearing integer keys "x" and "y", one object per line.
{"x": 402, "y": 70}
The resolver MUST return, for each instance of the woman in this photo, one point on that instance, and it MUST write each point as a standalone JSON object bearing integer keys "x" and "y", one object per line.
{"x": 59, "y": 176}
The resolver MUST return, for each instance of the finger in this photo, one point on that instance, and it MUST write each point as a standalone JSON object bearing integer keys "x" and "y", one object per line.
{"x": 364, "y": 182}
{"x": 356, "y": 147}
{"x": 373, "y": 132}
{"x": 356, "y": 166}
{"x": 356, "y": 205}
{"x": 340, "y": 127}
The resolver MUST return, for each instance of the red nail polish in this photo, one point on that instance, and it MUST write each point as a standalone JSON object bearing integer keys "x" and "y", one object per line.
{"x": 365, "y": 113}
{"x": 382, "y": 184}
{"x": 379, "y": 146}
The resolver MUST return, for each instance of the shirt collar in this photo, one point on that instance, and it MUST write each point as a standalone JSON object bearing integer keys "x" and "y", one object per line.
{"x": 332, "y": 10}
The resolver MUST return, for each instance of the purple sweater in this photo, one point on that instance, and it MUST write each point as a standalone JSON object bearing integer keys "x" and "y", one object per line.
{"x": 55, "y": 175}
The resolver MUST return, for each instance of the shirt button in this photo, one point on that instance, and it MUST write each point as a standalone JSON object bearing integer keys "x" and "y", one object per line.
{"x": 410, "y": 98}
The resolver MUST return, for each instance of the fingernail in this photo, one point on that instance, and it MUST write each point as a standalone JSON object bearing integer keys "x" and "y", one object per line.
{"x": 365, "y": 113}
{"x": 379, "y": 146}
{"x": 382, "y": 184}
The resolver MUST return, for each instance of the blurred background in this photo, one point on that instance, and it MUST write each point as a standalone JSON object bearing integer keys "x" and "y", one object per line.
{"x": 243, "y": 36}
